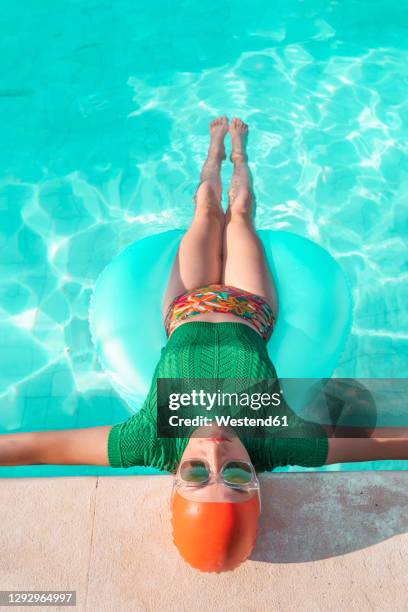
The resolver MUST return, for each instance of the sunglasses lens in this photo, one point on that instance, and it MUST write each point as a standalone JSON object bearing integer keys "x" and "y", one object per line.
{"x": 237, "y": 473}
{"x": 194, "y": 472}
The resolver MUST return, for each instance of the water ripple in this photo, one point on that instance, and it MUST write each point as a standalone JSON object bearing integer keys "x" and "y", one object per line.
{"x": 104, "y": 142}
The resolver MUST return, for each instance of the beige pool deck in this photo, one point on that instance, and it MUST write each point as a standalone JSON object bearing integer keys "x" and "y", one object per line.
{"x": 333, "y": 541}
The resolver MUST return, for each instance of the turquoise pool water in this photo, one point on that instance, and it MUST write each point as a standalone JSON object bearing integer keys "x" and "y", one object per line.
{"x": 104, "y": 126}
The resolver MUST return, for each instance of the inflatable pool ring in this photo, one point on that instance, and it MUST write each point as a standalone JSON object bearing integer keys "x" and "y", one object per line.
{"x": 313, "y": 322}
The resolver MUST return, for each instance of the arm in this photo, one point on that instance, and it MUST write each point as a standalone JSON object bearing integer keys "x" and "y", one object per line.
{"x": 66, "y": 447}
{"x": 384, "y": 443}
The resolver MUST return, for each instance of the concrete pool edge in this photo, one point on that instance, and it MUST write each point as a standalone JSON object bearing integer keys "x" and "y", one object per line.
{"x": 340, "y": 538}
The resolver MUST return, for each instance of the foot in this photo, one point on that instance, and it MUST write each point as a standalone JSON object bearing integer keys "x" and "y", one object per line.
{"x": 238, "y": 131}
{"x": 218, "y": 130}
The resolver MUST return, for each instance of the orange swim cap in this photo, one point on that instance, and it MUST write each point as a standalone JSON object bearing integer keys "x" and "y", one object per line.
{"x": 214, "y": 536}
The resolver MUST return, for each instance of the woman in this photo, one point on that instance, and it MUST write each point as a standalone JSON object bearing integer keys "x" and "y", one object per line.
{"x": 219, "y": 311}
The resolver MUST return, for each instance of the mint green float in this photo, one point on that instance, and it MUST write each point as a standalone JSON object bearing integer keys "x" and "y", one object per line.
{"x": 126, "y": 319}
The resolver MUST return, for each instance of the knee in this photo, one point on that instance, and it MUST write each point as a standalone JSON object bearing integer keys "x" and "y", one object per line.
{"x": 207, "y": 203}
{"x": 240, "y": 199}
{"x": 240, "y": 208}
{"x": 205, "y": 195}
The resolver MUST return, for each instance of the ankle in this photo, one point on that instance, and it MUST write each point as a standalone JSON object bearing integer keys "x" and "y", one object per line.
{"x": 239, "y": 157}
{"x": 215, "y": 156}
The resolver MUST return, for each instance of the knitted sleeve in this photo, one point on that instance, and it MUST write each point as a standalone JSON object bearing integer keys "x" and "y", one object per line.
{"x": 303, "y": 443}
{"x": 135, "y": 442}
{"x": 127, "y": 441}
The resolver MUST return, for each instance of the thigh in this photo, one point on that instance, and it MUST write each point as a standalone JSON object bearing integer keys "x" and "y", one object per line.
{"x": 244, "y": 262}
{"x": 199, "y": 258}
{"x": 175, "y": 285}
{"x": 193, "y": 267}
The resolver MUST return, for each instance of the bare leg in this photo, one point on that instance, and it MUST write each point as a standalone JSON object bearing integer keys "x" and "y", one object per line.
{"x": 244, "y": 260}
{"x": 211, "y": 170}
{"x": 199, "y": 257}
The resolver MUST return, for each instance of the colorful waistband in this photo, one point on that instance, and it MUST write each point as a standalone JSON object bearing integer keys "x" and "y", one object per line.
{"x": 221, "y": 298}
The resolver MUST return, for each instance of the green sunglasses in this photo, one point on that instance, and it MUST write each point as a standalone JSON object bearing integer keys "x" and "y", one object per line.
{"x": 235, "y": 474}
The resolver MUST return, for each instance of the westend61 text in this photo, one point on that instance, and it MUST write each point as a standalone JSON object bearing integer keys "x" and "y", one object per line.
{"x": 227, "y": 421}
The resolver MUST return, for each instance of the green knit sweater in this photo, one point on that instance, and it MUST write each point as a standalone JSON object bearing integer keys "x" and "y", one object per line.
{"x": 211, "y": 350}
